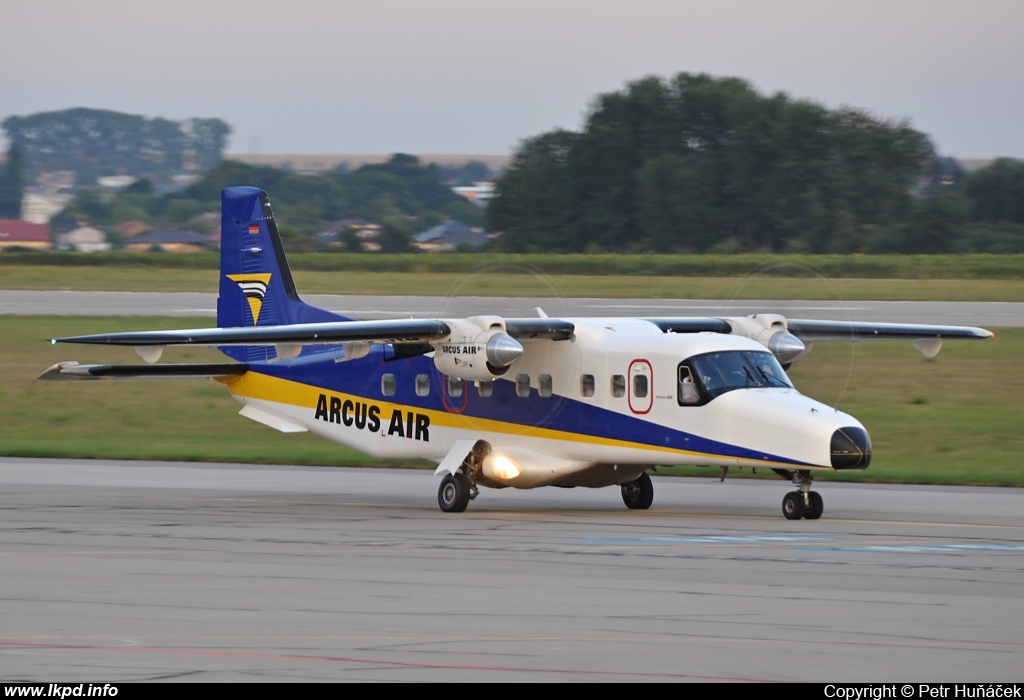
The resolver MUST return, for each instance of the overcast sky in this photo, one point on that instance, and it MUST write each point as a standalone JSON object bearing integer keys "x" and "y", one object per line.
{"x": 452, "y": 76}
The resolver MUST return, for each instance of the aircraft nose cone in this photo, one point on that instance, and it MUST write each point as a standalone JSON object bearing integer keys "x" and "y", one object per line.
{"x": 503, "y": 350}
{"x": 851, "y": 448}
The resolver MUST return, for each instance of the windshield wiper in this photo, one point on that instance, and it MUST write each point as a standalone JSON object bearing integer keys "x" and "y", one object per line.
{"x": 771, "y": 379}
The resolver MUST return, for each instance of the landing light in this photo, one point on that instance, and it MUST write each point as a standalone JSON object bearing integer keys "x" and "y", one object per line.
{"x": 503, "y": 467}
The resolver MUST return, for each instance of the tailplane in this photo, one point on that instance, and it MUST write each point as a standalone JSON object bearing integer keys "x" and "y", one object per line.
{"x": 256, "y": 285}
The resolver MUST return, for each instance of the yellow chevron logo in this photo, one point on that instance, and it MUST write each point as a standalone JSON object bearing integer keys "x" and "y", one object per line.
{"x": 254, "y": 286}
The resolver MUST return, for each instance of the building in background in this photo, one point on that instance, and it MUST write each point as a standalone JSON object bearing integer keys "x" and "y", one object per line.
{"x": 16, "y": 233}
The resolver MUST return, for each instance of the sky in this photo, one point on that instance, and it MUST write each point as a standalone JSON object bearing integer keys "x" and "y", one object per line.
{"x": 461, "y": 77}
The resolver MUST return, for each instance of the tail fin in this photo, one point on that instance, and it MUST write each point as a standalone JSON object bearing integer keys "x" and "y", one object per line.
{"x": 256, "y": 285}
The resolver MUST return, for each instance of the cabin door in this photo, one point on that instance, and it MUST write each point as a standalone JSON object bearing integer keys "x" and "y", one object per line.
{"x": 641, "y": 386}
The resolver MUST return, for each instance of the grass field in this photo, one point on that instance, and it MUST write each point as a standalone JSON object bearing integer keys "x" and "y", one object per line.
{"x": 955, "y": 419}
{"x": 920, "y": 267}
{"x": 508, "y": 281}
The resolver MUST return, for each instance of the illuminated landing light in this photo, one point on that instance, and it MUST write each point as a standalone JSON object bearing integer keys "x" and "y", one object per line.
{"x": 501, "y": 467}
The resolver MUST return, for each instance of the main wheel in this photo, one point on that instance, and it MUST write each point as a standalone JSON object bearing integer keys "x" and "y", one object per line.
{"x": 453, "y": 494}
{"x": 639, "y": 494}
{"x": 816, "y": 507}
{"x": 793, "y": 505}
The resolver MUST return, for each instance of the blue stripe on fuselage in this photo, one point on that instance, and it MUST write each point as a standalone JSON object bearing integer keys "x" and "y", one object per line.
{"x": 363, "y": 378}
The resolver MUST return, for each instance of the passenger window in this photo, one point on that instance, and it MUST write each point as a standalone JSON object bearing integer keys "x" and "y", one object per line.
{"x": 454, "y": 387}
{"x": 687, "y": 389}
{"x": 387, "y": 384}
{"x": 640, "y": 386}
{"x": 618, "y": 385}
{"x": 522, "y": 385}
{"x": 544, "y": 385}
{"x": 485, "y": 388}
{"x": 422, "y": 384}
{"x": 587, "y": 385}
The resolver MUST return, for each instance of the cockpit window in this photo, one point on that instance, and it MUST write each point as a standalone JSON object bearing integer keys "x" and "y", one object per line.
{"x": 720, "y": 372}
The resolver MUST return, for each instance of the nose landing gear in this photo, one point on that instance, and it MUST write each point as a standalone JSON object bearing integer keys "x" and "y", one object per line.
{"x": 803, "y": 503}
{"x": 639, "y": 494}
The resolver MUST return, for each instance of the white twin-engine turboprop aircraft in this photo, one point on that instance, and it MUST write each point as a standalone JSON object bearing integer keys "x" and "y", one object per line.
{"x": 520, "y": 402}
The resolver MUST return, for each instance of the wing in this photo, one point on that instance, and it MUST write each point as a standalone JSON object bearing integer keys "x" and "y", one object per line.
{"x": 853, "y": 331}
{"x": 788, "y": 339}
{"x": 492, "y": 338}
{"x": 827, "y": 330}
{"x": 330, "y": 333}
{"x": 410, "y": 331}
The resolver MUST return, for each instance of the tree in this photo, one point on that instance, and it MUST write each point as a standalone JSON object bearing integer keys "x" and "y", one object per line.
{"x": 935, "y": 225}
{"x": 465, "y": 174}
{"x": 678, "y": 206}
{"x": 205, "y": 141}
{"x": 537, "y": 201}
{"x": 426, "y": 184}
{"x": 997, "y": 192}
{"x": 695, "y": 161}
{"x": 395, "y": 236}
{"x": 92, "y": 141}
{"x": 12, "y": 185}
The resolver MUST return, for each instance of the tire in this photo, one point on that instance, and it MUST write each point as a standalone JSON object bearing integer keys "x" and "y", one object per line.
{"x": 793, "y": 505}
{"x": 816, "y": 508}
{"x": 453, "y": 493}
{"x": 639, "y": 494}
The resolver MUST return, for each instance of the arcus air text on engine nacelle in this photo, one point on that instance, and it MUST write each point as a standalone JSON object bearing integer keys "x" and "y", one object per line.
{"x": 477, "y": 349}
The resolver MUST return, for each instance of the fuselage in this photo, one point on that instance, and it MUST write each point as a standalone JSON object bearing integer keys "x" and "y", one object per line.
{"x": 593, "y": 410}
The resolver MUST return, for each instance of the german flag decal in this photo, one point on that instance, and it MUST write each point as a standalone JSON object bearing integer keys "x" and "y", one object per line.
{"x": 254, "y": 286}
{"x": 254, "y": 228}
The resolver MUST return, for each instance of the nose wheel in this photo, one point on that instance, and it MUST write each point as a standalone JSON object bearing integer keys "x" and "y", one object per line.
{"x": 793, "y": 505}
{"x": 804, "y": 503}
{"x": 638, "y": 494}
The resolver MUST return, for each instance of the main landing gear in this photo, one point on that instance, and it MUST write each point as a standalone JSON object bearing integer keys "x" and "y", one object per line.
{"x": 639, "y": 494}
{"x": 803, "y": 503}
{"x": 455, "y": 492}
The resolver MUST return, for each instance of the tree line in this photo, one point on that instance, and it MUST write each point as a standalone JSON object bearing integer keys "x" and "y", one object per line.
{"x": 693, "y": 163}
{"x": 697, "y": 163}
{"x": 96, "y": 142}
{"x": 402, "y": 195}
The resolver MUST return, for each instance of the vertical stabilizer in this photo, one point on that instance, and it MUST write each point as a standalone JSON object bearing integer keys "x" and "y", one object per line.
{"x": 256, "y": 285}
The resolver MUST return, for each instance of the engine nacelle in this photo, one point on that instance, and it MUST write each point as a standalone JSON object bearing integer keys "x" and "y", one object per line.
{"x": 772, "y": 332}
{"x": 477, "y": 349}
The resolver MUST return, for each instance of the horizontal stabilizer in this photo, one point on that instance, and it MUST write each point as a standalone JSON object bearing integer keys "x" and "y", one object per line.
{"x": 72, "y": 371}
